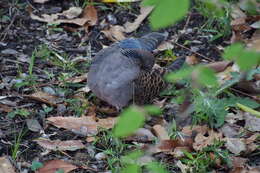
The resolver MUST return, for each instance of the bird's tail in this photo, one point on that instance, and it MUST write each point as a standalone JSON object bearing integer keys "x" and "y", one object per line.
{"x": 151, "y": 41}
{"x": 176, "y": 65}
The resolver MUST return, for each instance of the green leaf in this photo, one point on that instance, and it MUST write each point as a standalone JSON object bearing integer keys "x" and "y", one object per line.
{"x": 152, "y": 110}
{"x": 206, "y": 76}
{"x": 36, "y": 165}
{"x": 150, "y": 2}
{"x": 167, "y": 12}
{"x": 248, "y": 59}
{"x": 156, "y": 167}
{"x": 233, "y": 51}
{"x": 132, "y": 168}
{"x": 132, "y": 157}
{"x": 178, "y": 75}
{"x": 130, "y": 120}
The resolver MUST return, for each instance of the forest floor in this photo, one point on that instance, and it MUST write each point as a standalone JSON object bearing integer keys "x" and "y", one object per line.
{"x": 50, "y": 121}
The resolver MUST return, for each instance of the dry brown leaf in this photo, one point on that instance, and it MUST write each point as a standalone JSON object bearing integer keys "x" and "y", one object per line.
{"x": 54, "y": 165}
{"x": 40, "y": 1}
{"x": 5, "y": 165}
{"x": 58, "y": 145}
{"x": 144, "y": 12}
{"x": 189, "y": 130}
{"x": 5, "y": 108}
{"x": 44, "y": 97}
{"x": 141, "y": 135}
{"x": 166, "y": 45}
{"x": 78, "y": 79}
{"x": 192, "y": 60}
{"x": 219, "y": 66}
{"x": 169, "y": 145}
{"x": 89, "y": 16}
{"x": 87, "y": 125}
{"x": 202, "y": 141}
{"x": 235, "y": 145}
{"x": 254, "y": 42}
{"x": 114, "y": 33}
{"x": 161, "y": 132}
{"x": 252, "y": 122}
{"x": 238, "y": 162}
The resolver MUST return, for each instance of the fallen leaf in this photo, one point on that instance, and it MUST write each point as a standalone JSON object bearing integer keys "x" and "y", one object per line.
{"x": 58, "y": 145}
{"x": 6, "y": 166}
{"x": 189, "y": 130}
{"x": 219, "y": 66}
{"x": 5, "y": 108}
{"x": 89, "y": 16}
{"x": 184, "y": 168}
{"x": 141, "y": 135}
{"x": 78, "y": 79}
{"x": 229, "y": 130}
{"x": 192, "y": 60}
{"x": 114, "y": 33}
{"x": 235, "y": 145}
{"x": 44, "y": 97}
{"x": 144, "y": 12}
{"x": 72, "y": 12}
{"x": 54, "y": 165}
{"x": 254, "y": 42}
{"x": 33, "y": 125}
{"x": 252, "y": 122}
{"x": 87, "y": 124}
{"x": 166, "y": 45}
{"x": 201, "y": 140}
{"x": 238, "y": 162}
{"x": 161, "y": 132}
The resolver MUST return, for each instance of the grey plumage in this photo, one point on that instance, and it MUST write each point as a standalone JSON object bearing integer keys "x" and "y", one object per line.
{"x": 123, "y": 71}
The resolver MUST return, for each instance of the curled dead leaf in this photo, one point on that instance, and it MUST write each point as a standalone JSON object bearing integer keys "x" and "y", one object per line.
{"x": 87, "y": 124}
{"x": 54, "y": 165}
{"x": 58, "y": 145}
{"x": 114, "y": 33}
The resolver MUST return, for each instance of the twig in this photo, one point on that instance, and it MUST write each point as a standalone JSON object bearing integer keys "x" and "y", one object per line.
{"x": 184, "y": 47}
{"x": 245, "y": 94}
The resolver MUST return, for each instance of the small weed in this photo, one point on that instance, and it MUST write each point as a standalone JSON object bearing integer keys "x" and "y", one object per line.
{"x": 207, "y": 159}
{"x": 113, "y": 147}
{"x": 36, "y": 165}
{"x": 16, "y": 146}
{"x": 77, "y": 106}
{"x": 21, "y": 112}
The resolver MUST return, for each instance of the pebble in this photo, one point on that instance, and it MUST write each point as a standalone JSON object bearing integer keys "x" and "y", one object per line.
{"x": 100, "y": 156}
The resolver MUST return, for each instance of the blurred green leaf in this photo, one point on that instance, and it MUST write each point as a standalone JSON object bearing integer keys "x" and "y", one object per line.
{"x": 233, "y": 51}
{"x": 248, "y": 59}
{"x": 132, "y": 157}
{"x": 132, "y": 168}
{"x": 206, "y": 76}
{"x": 166, "y": 12}
{"x": 129, "y": 121}
{"x": 180, "y": 74}
{"x": 152, "y": 110}
{"x": 156, "y": 167}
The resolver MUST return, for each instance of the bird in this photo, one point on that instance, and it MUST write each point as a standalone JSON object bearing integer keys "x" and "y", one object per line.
{"x": 123, "y": 72}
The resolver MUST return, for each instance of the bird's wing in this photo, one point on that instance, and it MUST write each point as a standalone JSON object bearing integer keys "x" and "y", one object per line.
{"x": 111, "y": 76}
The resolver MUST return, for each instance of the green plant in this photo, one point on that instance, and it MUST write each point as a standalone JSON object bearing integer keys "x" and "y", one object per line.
{"x": 16, "y": 146}
{"x": 163, "y": 14}
{"x": 36, "y": 165}
{"x": 205, "y": 160}
{"x": 21, "y": 112}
